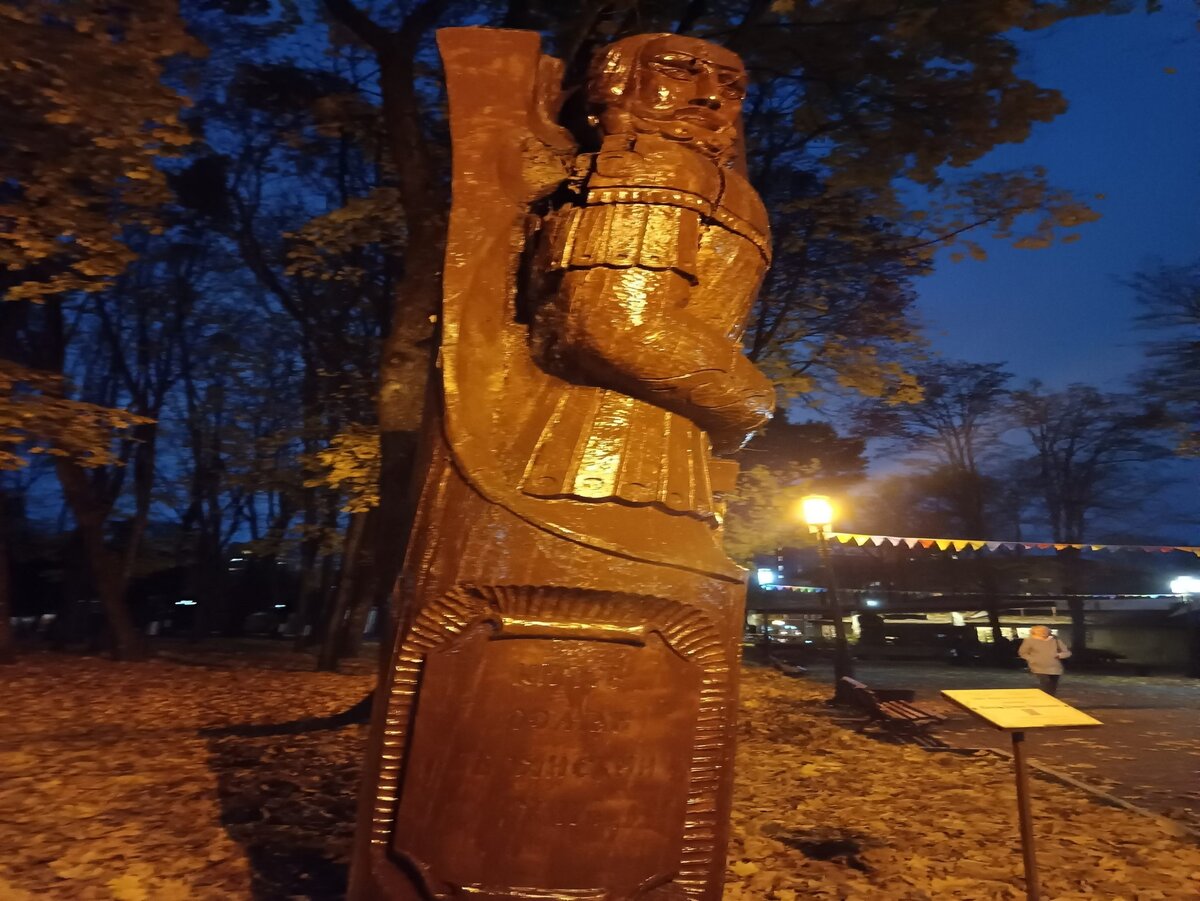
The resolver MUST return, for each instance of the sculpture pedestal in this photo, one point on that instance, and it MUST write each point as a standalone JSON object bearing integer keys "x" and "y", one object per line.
{"x": 545, "y": 741}
{"x": 550, "y": 761}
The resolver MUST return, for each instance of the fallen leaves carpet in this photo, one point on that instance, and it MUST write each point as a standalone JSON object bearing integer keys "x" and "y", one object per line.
{"x": 161, "y": 781}
{"x": 824, "y": 812}
{"x": 224, "y": 778}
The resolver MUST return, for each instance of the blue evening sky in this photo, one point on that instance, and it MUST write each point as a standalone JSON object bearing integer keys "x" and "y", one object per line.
{"x": 1132, "y": 133}
{"x": 1062, "y": 314}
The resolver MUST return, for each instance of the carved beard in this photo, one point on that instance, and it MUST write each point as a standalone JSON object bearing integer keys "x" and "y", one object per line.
{"x": 718, "y": 145}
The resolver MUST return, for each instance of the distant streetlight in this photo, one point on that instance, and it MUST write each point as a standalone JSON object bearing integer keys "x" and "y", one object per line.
{"x": 766, "y": 576}
{"x": 817, "y": 512}
{"x": 1185, "y": 585}
{"x": 1189, "y": 586}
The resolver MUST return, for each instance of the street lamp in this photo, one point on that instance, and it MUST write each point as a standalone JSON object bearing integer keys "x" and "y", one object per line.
{"x": 817, "y": 511}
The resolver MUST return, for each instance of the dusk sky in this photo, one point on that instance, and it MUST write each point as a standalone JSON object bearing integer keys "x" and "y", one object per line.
{"x": 1132, "y": 133}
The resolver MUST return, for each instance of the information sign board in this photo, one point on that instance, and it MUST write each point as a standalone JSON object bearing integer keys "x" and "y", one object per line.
{"x": 1016, "y": 711}
{"x": 1020, "y": 709}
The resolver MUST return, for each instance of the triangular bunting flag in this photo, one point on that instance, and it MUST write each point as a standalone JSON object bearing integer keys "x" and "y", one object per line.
{"x": 960, "y": 544}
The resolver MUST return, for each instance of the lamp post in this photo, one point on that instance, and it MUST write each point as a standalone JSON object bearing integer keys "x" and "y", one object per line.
{"x": 817, "y": 511}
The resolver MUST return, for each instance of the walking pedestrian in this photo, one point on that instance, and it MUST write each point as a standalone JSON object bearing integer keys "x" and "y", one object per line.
{"x": 1044, "y": 654}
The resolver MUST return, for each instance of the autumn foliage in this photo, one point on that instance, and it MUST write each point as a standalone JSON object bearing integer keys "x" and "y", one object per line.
{"x": 213, "y": 776}
{"x": 87, "y": 117}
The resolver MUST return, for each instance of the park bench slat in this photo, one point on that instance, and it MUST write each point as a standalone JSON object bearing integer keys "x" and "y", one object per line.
{"x": 892, "y": 712}
{"x": 909, "y": 711}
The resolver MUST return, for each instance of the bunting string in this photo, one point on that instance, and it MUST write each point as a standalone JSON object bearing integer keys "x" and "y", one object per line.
{"x": 962, "y": 544}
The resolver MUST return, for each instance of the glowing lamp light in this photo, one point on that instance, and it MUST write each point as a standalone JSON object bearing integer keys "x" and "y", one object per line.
{"x": 766, "y": 576}
{"x": 186, "y": 602}
{"x": 1185, "y": 585}
{"x": 871, "y": 602}
{"x": 817, "y": 511}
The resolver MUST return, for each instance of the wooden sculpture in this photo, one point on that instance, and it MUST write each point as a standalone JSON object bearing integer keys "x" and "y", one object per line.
{"x": 557, "y": 721}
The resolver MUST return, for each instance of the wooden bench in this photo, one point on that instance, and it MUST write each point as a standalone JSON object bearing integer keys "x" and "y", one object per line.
{"x": 788, "y": 669}
{"x": 892, "y": 708}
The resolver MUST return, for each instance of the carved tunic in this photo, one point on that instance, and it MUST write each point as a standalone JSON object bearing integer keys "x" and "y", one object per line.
{"x": 699, "y": 234}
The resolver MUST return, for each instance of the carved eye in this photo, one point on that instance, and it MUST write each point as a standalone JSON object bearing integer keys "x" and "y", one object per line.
{"x": 679, "y": 68}
{"x": 732, "y": 86}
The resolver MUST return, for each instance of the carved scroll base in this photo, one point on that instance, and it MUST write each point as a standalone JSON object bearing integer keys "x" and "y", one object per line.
{"x": 541, "y": 739}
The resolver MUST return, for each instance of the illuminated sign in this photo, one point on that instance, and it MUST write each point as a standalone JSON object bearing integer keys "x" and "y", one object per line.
{"x": 1020, "y": 709}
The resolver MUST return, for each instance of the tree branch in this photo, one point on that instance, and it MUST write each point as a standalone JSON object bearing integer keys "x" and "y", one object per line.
{"x": 363, "y": 26}
{"x": 692, "y": 13}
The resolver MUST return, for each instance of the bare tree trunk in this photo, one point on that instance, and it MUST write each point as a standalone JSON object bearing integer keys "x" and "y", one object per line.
{"x": 301, "y": 617}
{"x": 310, "y": 581}
{"x": 363, "y": 595}
{"x": 324, "y": 600}
{"x": 144, "y": 457}
{"x": 987, "y": 581}
{"x": 408, "y": 347}
{"x": 1069, "y": 559}
{"x": 356, "y": 624}
{"x": 335, "y": 626}
{"x": 214, "y": 608}
{"x": 106, "y": 567}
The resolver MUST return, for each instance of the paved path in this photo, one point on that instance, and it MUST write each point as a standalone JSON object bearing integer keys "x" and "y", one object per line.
{"x": 1147, "y": 752}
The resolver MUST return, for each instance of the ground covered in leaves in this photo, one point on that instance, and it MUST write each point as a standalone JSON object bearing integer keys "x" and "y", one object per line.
{"x": 223, "y": 777}
{"x": 824, "y": 812}
{"x": 1148, "y": 751}
{"x": 166, "y": 780}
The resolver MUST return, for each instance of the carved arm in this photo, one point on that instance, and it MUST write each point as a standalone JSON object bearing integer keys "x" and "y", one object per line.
{"x": 628, "y": 329}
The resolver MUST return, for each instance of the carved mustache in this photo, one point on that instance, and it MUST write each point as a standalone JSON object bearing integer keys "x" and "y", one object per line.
{"x": 705, "y": 117}
{"x": 708, "y": 118}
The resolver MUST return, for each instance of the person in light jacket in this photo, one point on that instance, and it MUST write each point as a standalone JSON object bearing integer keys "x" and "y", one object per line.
{"x": 1044, "y": 653}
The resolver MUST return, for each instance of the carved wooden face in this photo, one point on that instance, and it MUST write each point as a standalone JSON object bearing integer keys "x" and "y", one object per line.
{"x": 681, "y": 88}
{"x": 694, "y": 89}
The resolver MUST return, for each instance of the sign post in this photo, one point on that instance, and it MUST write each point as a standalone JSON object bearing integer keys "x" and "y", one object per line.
{"x": 1028, "y": 850}
{"x": 1016, "y": 711}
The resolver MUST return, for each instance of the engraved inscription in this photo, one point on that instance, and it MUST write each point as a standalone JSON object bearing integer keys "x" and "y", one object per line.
{"x": 572, "y": 721}
{"x": 571, "y": 674}
{"x": 559, "y": 768}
